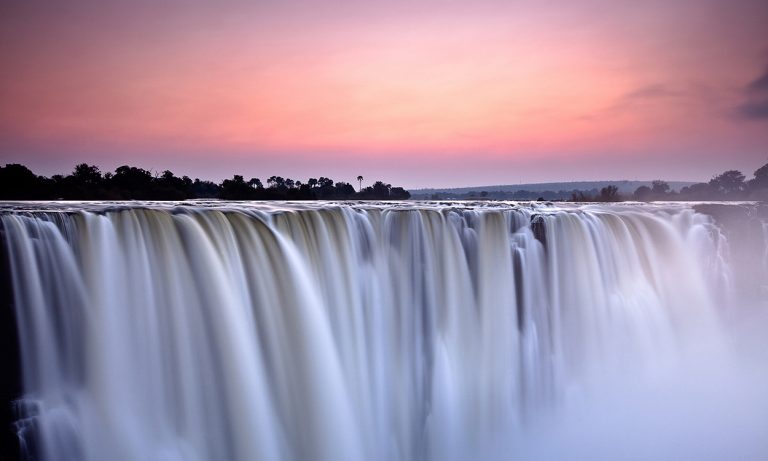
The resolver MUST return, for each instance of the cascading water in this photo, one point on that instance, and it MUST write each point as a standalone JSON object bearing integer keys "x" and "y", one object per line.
{"x": 377, "y": 332}
{"x": 765, "y": 251}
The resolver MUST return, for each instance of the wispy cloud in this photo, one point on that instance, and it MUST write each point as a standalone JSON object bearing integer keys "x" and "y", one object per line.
{"x": 655, "y": 91}
{"x": 755, "y": 105}
{"x": 760, "y": 84}
{"x": 647, "y": 94}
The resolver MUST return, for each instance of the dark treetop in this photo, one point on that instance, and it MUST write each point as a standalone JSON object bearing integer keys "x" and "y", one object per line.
{"x": 87, "y": 182}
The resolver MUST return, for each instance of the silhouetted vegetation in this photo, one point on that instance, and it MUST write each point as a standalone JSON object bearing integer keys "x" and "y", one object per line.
{"x": 729, "y": 185}
{"x": 609, "y": 194}
{"x": 87, "y": 182}
{"x": 521, "y": 194}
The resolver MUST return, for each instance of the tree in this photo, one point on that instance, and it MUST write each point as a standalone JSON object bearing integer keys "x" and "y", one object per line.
{"x": 381, "y": 189}
{"x": 236, "y": 189}
{"x": 360, "y": 181}
{"x": 133, "y": 183}
{"x": 18, "y": 182}
{"x": 277, "y": 183}
{"x": 398, "y": 193}
{"x": 87, "y": 174}
{"x": 344, "y": 190}
{"x": 761, "y": 178}
{"x": 609, "y": 193}
{"x": 170, "y": 187}
{"x": 642, "y": 193}
{"x": 255, "y": 183}
{"x": 659, "y": 187}
{"x": 205, "y": 189}
{"x": 699, "y": 191}
{"x": 581, "y": 196}
{"x": 728, "y": 183}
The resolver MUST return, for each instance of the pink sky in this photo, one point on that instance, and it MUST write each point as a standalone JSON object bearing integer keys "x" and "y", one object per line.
{"x": 418, "y": 94}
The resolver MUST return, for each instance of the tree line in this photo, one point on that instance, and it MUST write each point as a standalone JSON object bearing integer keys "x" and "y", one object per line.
{"x": 729, "y": 185}
{"x": 88, "y": 182}
{"x": 518, "y": 194}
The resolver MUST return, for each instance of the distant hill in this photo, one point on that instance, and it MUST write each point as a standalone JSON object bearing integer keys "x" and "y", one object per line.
{"x": 549, "y": 191}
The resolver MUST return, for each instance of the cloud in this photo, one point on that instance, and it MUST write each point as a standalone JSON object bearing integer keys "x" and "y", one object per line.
{"x": 755, "y": 105}
{"x": 760, "y": 84}
{"x": 648, "y": 92}
{"x": 754, "y": 110}
{"x": 631, "y": 100}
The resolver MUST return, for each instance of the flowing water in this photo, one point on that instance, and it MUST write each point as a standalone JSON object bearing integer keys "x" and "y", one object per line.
{"x": 410, "y": 331}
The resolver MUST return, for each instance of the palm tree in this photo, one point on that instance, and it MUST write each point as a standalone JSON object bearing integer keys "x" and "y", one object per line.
{"x": 360, "y": 180}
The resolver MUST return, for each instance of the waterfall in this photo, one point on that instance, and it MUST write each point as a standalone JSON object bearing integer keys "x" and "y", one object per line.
{"x": 371, "y": 332}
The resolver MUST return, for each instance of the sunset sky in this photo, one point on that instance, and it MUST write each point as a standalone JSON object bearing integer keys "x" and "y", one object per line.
{"x": 417, "y": 93}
